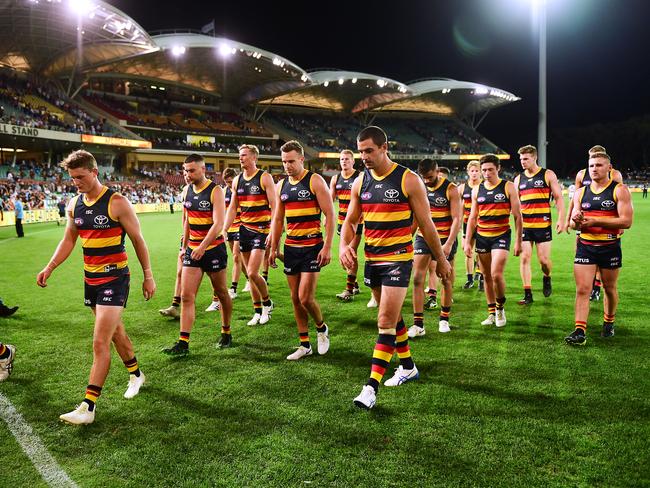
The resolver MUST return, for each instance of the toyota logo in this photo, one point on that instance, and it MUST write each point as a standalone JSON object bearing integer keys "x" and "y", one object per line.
{"x": 539, "y": 183}
{"x": 499, "y": 196}
{"x": 303, "y": 193}
{"x": 101, "y": 220}
{"x": 254, "y": 189}
{"x": 204, "y": 204}
{"x": 391, "y": 193}
{"x": 608, "y": 204}
{"x": 440, "y": 201}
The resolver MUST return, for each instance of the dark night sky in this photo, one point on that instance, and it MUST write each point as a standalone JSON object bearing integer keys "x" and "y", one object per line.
{"x": 597, "y": 49}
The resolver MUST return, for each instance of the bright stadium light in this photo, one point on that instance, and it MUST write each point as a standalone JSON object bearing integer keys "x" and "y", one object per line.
{"x": 354, "y": 80}
{"x": 178, "y": 50}
{"x": 81, "y": 7}
{"x": 225, "y": 50}
{"x": 341, "y": 81}
{"x": 326, "y": 84}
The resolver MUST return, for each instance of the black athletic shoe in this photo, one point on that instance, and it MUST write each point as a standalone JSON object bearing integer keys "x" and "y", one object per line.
{"x": 468, "y": 284}
{"x": 576, "y": 338}
{"x": 481, "y": 285}
{"x": 595, "y": 295}
{"x": 527, "y": 300}
{"x": 180, "y": 348}
{"x": 7, "y": 311}
{"x": 225, "y": 341}
{"x": 431, "y": 303}
{"x": 547, "y": 288}
{"x": 608, "y": 330}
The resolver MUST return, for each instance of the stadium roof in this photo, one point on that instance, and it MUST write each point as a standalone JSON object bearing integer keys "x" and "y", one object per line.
{"x": 51, "y": 37}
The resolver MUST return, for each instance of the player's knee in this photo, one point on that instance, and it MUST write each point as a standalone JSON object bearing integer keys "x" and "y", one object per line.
{"x": 418, "y": 279}
{"x": 101, "y": 345}
{"x": 583, "y": 289}
{"x": 187, "y": 299}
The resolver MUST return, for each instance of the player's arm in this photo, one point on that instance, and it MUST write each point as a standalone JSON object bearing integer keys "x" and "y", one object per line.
{"x": 515, "y": 209}
{"x": 186, "y": 229}
{"x": 576, "y": 216}
{"x": 269, "y": 188}
{"x": 556, "y": 191}
{"x": 218, "y": 212}
{"x": 624, "y": 208}
{"x": 578, "y": 184}
{"x": 347, "y": 255}
{"x": 417, "y": 195}
{"x": 471, "y": 224}
{"x": 231, "y": 211}
{"x": 64, "y": 248}
{"x": 516, "y": 183}
{"x": 319, "y": 187}
{"x": 123, "y": 212}
{"x": 277, "y": 227}
{"x": 456, "y": 207}
{"x": 333, "y": 180}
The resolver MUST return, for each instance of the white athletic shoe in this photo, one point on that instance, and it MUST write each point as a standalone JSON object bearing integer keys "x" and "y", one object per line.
{"x": 79, "y": 416}
{"x": 356, "y": 290}
{"x": 402, "y": 375}
{"x": 214, "y": 306}
{"x": 324, "y": 341}
{"x": 372, "y": 303}
{"x": 501, "y": 318}
{"x": 266, "y": 313}
{"x": 232, "y": 293}
{"x": 416, "y": 331}
{"x": 135, "y": 382}
{"x": 255, "y": 320}
{"x": 7, "y": 364}
{"x": 299, "y": 353}
{"x": 247, "y": 286}
{"x": 171, "y": 311}
{"x": 366, "y": 398}
{"x": 490, "y": 320}
{"x": 443, "y": 326}
{"x": 345, "y": 295}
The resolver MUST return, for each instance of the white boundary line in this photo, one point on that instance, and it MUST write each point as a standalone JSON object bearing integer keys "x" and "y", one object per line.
{"x": 42, "y": 460}
{"x": 40, "y": 231}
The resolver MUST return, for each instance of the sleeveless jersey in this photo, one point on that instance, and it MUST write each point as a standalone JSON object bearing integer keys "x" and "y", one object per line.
{"x": 343, "y": 187}
{"x": 302, "y": 212}
{"x": 601, "y": 205}
{"x": 387, "y": 216}
{"x": 254, "y": 205}
{"x": 493, "y": 210}
{"x": 535, "y": 196}
{"x": 102, "y": 239}
{"x": 199, "y": 206}
{"x": 440, "y": 207}
{"x": 235, "y": 223}
{"x": 467, "y": 201}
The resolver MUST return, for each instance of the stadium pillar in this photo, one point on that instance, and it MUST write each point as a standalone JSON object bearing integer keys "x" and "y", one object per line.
{"x": 541, "y": 125}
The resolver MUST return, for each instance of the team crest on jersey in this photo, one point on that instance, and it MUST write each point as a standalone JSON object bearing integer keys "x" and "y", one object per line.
{"x": 608, "y": 204}
{"x": 78, "y": 221}
{"x": 539, "y": 183}
{"x": 204, "y": 204}
{"x": 304, "y": 194}
{"x": 366, "y": 196}
{"x": 480, "y": 199}
{"x": 101, "y": 220}
{"x": 284, "y": 197}
{"x": 187, "y": 204}
{"x": 586, "y": 205}
{"x": 499, "y": 197}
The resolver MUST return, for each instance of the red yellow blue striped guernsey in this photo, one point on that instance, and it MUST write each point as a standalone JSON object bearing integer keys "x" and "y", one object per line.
{"x": 467, "y": 201}
{"x": 535, "y": 196}
{"x": 343, "y": 188}
{"x": 600, "y": 205}
{"x": 234, "y": 227}
{"x": 102, "y": 239}
{"x": 253, "y": 202}
{"x": 440, "y": 206}
{"x": 199, "y": 205}
{"x": 302, "y": 211}
{"x": 493, "y": 209}
{"x": 387, "y": 216}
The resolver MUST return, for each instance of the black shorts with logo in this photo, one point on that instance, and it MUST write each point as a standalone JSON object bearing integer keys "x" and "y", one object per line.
{"x": 605, "y": 257}
{"x": 420, "y": 247}
{"x": 112, "y": 294}
{"x": 537, "y": 235}
{"x": 213, "y": 260}
{"x": 487, "y": 244}
{"x": 359, "y": 229}
{"x": 250, "y": 240}
{"x": 301, "y": 259}
{"x": 396, "y": 274}
{"x": 233, "y": 236}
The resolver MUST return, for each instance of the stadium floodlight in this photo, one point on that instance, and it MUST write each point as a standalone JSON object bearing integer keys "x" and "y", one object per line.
{"x": 80, "y": 7}
{"x": 225, "y": 50}
{"x": 178, "y": 50}
{"x": 341, "y": 80}
{"x": 326, "y": 84}
{"x": 354, "y": 80}
{"x": 481, "y": 90}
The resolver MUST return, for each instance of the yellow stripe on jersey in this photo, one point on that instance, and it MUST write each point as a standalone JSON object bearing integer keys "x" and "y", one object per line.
{"x": 102, "y": 242}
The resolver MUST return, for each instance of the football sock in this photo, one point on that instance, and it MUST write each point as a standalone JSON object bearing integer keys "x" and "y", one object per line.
{"x": 176, "y": 301}
{"x": 321, "y": 327}
{"x": 402, "y": 346}
{"x": 184, "y": 337}
{"x": 581, "y": 325}
{"x": 257, "y": 307}
{"x": 304, "y": 339}
{"x": 92, "y": 394}
{"x": 418, "y": 319}
{"x": 445, "y": 312}
{"x": 492, "y": 308}
{"x": 501, "y": 301}
{"x": 4, "y": 352}
{"x": 132, "y": 366}
{"x": 349, "y": 284}
{"x": 381, "y": 356}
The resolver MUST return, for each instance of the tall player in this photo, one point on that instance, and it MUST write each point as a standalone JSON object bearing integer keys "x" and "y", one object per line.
{"x": 232, "y": 235}
{"x": 445, "y": 212}
{"x": 102, "y": 218}
{"x": 465, "y": 190}
{"x": 535, "y": 187}
{"x": 489, "y": 224}
{"x": 340, "y": 187}
{"x": 601, "y": 211}
{"x": 204, "y": 251}
{"x": 253, "y": 193}
{"x": 388, "y": 196}
{"x": 304, "y": 196}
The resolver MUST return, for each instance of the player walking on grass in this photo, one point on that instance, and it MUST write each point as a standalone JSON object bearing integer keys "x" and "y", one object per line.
{"x": 253, "y": 192}
{"x": 340, "y": 187}
{"x": 102, "y": 218}
{"x": 445, "y": 212}
{"x": 465, "y": 190}
{"x": 534, "y": 187}
{"x": 232, "y": 235}
{"x": 303, "y": 196}
{"x": 7, "y": 355}
{"x": 388, "y": 196}
{"x": 204, "y": 251}
{"x": 600, "y": 212}
{"x": 489, "y": 224}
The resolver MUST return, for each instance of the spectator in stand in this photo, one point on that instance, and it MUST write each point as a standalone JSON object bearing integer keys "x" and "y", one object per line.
{"x": 18, "y": 209}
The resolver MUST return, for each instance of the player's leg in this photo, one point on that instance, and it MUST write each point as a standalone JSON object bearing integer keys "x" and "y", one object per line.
{"x": 220, "y": 287}
{"x": 420, "y": 266}
{"x": 524, "y": 271}
{"x": 597, "y": 284}
{"x": 124, "y": 348}
{"x": 610, "y": 280}
{"x": 190, "y": 281}
{"x": 544, "y": 257}
{"x": 259, "y": 289}
{"x": 485, "y": 263}
{"x": 302, "y": 317}
{"x": 499, "y": 260}
{"x": 173, "y": 310}
{"x": 469, "y": 264}
{"x": 307, "y": 292}
{"x": 584, "y": 276}
{"x": 432, "y": 290}
{"x": 446, "y": 299}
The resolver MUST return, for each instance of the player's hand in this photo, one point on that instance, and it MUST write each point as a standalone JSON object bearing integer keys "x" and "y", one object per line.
{"x": 446, "y": 248}
{"x": 273, "y": 254}
{"x": 324, "y": 257}
{"x": 41, "y": 279}
{"x": 578, "y": 219}
{"x": 561, "y": 227}
{"x": 198, "y": 253}
{"x": 443, "y": 269}
{"x": 148, "y": 288}
{"x": 347, "y": 256}
{"x": 467, "y": 248}
{"x": 517, "y": 249}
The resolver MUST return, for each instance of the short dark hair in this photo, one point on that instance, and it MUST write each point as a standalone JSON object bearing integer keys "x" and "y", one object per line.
{"x": 375, "y": 133}
{"x": 292, "y": 146}
{"x": 427, "y": 165}
{"x": 444, "y": 169}
{"x": 490, "y": 158}
{"x": 79, "y": 159}
{"x": 229, "y": 173}
{"x": 194, "y": 158}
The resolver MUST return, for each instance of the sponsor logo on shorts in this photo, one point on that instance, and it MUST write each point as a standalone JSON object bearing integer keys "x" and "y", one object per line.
{"x": 215, "y": 261}
{"x": 366, "y": 281}
{"x": 499, "y": 197}
{"x": 284, "y": 197}
{"x": 87, "y": 301}
{"x": 287, "y": 270}
{"x": 366, "y": 196}
{"x": 394, "y": 272}
{"x": 204, "y": 204}
{"x": 502, "y": 241}
{"x": 394, "y": 278}
{"x": 107, "y": 299}
{"x": 101, "y": 220}
{"x": 108, "y": 292}
{"x": 608, "y": 204}
{"x": 581, "y": 260}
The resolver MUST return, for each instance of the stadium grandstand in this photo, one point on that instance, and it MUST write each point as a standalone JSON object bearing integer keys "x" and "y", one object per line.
{"x": 93, "y": 78}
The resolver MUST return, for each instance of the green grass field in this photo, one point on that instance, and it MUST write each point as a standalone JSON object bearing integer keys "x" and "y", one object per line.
{"x": 492, "y": 407}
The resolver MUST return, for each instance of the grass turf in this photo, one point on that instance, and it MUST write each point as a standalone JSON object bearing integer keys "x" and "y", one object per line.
{"x": 491, "y": 408}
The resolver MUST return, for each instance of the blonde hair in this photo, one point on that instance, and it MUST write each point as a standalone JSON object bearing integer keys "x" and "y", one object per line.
{"x": 600, "y": 155}
{"x": 597, "y": 149}
{"x": 79, "y": 159}
{"x": 347, "y": 151}
{"x": 528, "y": 150}
{"x": 252, "y": 148}
{"x": 473, "y": 164}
